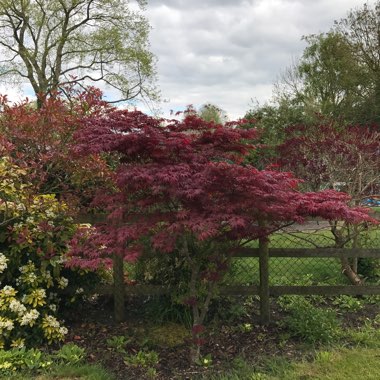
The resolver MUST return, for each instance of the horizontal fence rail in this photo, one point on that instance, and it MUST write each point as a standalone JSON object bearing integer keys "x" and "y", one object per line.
{"x": 310, "y": 252}
{"x": 236, "y": 290}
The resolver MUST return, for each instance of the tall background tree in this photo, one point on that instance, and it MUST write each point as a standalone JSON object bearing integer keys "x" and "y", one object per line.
{"x": 55, "y": 44}
{"x": 337, "y": 76}
{"x": 336, "y": 80}
{"x": 211, "y": 112}
{"x": 361, "y": 29}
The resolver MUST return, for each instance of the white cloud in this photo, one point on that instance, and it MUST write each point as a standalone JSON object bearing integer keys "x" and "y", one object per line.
{"x": 17, "y": 93}
{"x": 228, "y": 52}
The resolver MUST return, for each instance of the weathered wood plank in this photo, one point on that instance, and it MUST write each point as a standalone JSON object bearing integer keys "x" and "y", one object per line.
{"x": 264, "y": 281}
{"x": 304, "y": 290}
{"x": 325, "y": 290}
{"x": 134, "y": 290}
{"x": 310, "y": 252}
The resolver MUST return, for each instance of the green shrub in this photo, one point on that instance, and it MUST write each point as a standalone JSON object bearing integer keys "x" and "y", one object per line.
{"x": 348, "y": 303}
{"x": 71, "y": 353}
{"x": 312, "y": 324}
{"x": 33, "y": 240}
{"x": 15, "y": 360}
{"x": 369, "y": 268}
{"x": 142, "y": 358}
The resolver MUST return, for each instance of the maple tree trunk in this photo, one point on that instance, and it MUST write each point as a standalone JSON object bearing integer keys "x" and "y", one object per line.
{"x": 349, "y": 272}
{"x": 195, "y": 353}
{"x": 355, "y": 244}
{"x": 199, "y": 307}
{"x": 347, "y": 267}
{"x": 118, "y": 288}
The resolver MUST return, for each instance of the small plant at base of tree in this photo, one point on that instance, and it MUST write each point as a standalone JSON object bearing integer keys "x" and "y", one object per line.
{"x": 71, "y": 353}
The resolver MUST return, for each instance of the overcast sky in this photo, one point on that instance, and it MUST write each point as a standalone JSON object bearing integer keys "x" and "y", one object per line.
{"x": 229, "y": 52}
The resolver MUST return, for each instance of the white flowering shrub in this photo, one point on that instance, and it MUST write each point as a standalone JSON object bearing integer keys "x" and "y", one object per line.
{"x": 34, "y": 232}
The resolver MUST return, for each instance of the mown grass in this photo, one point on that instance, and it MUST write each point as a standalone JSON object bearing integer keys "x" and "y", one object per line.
{"x": 339, "y": 364}
{"x": 64, "y": 372}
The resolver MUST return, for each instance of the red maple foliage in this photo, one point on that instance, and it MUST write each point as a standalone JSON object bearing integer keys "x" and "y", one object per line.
{"x": 183, "y": 185}
{"x": 186, "y": 177}
{"x": 326, "y": 156}
{"x": 40, "y": 140}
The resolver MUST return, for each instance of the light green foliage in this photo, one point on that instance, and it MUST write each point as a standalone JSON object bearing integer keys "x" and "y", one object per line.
{"x": 16, "y": 364}
{"x": 142, "y": 358}
{"x": 328, "y": 81}
{"x": 22, "y": 359}
{"x": 271, "y": 120}
{"x": 205, "y": 361}
{"x": 361, "y": 28}
{"x": 310, "y": 323}
{"x": 61, "y": 43}
{"x": 348, "y": 303}
{"x": 331, "y": 77}
{"x": 337, "y": 77}
{"x": 33, "y": 241}
{"x": 211, "y": 112}
{"x": 118, "y": 343}
{"x": 70, "y": 353}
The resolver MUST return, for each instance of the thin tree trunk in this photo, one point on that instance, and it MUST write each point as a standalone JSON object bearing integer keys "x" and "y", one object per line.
{"x": 347, "y": 269}
{"x": 118, "y": 288}
{"x": 349, "y": 272}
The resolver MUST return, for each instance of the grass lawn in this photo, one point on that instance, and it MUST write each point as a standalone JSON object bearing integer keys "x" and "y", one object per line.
{"x": 65, "y": 372}
{"x": 361, "y": 364}
{"x": 340, "y": 364}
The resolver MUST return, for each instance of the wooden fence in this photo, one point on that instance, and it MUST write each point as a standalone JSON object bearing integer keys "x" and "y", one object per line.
{"x": 264, "y": 290}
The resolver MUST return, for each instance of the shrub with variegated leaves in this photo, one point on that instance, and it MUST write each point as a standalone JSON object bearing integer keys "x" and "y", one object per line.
{"x": 34, "y": 231}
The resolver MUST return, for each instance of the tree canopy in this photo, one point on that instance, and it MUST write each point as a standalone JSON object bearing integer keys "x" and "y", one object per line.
{"x": 55, "y": 44}
{"x": 211, "y": 112}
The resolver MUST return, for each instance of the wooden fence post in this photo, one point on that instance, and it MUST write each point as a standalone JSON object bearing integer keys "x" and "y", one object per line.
{"x": 118, "y": 287}
{"x": 264, "y": 279}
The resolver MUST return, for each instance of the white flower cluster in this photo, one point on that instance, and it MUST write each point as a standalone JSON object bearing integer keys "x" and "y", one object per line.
{"x": 3, "y": 262}
{"x": 51, "y": 321}
{"x": 63, "y": 282}
{"x": 8, "y": 291}
{"x": 29, "y": 267}
{"x": 53, "y": 307}
{"x": 40, "y": 293}
{"x": 29, "y": 318}
{"x": 6, "y": 324}
{"x": 17, "y": 307}
{"x": 30, "y": 278}
{"x": 50, "y": 214}
{"x": 79, "y": 291}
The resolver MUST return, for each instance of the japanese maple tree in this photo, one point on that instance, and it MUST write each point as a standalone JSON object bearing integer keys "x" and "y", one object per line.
{"x": 183, "y": 186}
